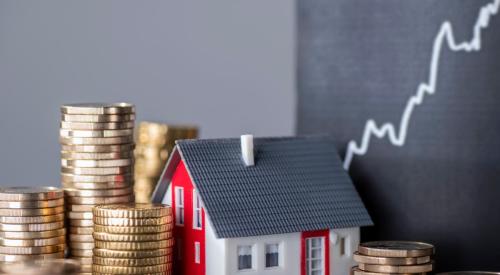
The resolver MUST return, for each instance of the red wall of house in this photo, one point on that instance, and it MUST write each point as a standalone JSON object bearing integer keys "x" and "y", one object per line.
{"x": 186, "y": 236}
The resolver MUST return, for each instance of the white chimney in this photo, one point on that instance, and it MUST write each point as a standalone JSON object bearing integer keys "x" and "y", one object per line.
{"x": 247, "y": 150}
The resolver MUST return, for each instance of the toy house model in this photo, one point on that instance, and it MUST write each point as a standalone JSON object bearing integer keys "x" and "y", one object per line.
{"x": 285, "y": 206}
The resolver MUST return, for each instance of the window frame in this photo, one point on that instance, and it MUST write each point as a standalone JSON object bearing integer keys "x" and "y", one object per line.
{"x": 278, "y": 246}
{"x": 309, "y": 260}
{"x": 252, "y": 256}
{"x": 197, "y": 211}
{"x": 180, "y": 217}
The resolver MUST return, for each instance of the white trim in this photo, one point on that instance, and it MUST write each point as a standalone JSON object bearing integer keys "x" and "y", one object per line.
{"x": 197, "y": 216}
{"x": 179, "y": 207}
{"x": 197, "y": 251}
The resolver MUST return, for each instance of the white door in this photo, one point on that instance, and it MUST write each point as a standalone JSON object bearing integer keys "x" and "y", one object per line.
{"x": 315, "y": 256}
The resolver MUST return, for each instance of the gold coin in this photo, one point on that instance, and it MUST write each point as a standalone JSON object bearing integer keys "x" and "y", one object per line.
{"x": 95, "y": 134}
{"x": 80, "y": 207}
{"x": 14, "y": 250}
{"x": 98, "y": 171}
{"x": 97, "y": 126}
{"x": 137, "y": 254}
{"x": 30, "y": 193}
{"x": 99, "y": 193}
{"x": 81, "y": 252}
{"x": 18, "y": 258}
{"x": 32, "y": 235}
{"x": 80, "y": 215}
{"x": 391, "y": 261}
{"x": 32, "y": 204}
{"x": 81, "y": 230}
{"x": 357, "y": 271}
{"x": 133, "y": 229}
{"x": 132, "y": 210}
{"x": 98, "y": 108}
{"x": 96, "y": 156}
{"x": 96, "y": 185}
{"x": 32, "y": 211}
{"x": 81, "y": 245}
{"x": 96, "y": 163}
{"x": 102, "y": 236}
{"x": 396, "y": 269}
{"x": 98, "y": 118}
{"x": 131, "y": 262}
{"x": 83, "y": 260}
{"x": 132, "y": 222}
{"x": 96, "y": 141}
{"x": 80, "y": 238}
{"x": 70, "y": 178}
{"x": 31, "y": 227}
{"x": 81, "y": 223}
{"x": 33, "y": 242}
{"x": 98, "y": 148}
{"x": 32, "y": 219}
{"x": 101, "y": 200}
{"x": 403, "y": 249}
{"x": 133, "y": 246}
{"x": 131, "y": 270}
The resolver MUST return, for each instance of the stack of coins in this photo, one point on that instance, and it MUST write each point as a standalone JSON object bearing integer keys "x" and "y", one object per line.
{"x": 97, "y": 166}
{"x": 393, "y": 257}
{"x": 133, "y": 239}
{"x": 154, "y": 143}
{"x": 31, "y": 224}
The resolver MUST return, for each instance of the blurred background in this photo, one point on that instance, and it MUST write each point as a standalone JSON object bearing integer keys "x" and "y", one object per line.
{"x": 227, "y": 66}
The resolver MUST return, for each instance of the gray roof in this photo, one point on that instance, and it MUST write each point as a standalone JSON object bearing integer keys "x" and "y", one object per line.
{"x": 297, "y": 184}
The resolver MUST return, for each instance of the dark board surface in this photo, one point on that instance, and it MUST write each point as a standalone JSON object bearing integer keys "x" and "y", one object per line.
{"x": 431, "y": 170}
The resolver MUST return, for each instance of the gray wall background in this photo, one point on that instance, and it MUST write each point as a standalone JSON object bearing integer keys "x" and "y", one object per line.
{"x": 225, "y": 65}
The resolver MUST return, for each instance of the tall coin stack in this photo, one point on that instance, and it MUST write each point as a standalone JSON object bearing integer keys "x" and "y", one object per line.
{"x": 31, "y": 224}
{"x": 97, "y": 166}
{"x": 155, "y": 141}
{"x": 393, "y": 257}
{"x": 133, "y": 239}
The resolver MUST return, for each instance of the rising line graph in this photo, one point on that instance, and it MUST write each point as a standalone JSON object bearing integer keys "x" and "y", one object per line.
{"x": 398, "y": 136}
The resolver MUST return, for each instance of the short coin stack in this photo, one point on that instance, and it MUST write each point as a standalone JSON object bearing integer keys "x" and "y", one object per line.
{"x": 393, "y": 257}
{"x": 133, "y": 239}
{"x": 96, "y": 166}
{"x": 31, "y": 223}
{"x": 155, "y": 141}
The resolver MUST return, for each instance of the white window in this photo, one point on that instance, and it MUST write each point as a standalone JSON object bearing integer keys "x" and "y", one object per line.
{"x": 244, "y": 257}
{"x": 197, "y": 220}
{"x": 342, "y": 246}
{"x": 272, "y": 255}
{"x": 179, "y": 206}
{"x": 315, "y": 256}
{"x": 197, "y": 252}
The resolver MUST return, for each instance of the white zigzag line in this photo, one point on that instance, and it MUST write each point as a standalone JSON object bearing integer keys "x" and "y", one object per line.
{"x": 388, "y": 129}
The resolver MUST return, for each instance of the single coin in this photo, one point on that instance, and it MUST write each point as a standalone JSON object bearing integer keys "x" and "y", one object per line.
{"x": 131, "y": 270}
{"x": 80, "y": 207}
{"x": 98, "y": 171}
{"x": 133, "y": 229}
{"x": 80, "y": 215}
{"x": 98, "y": 148}
{"x": 30, "y": 193}
{"x": 33, "y": 219}
{"x": 32, "y": 235}
{"x": 133, "y": 246}
{"x": 32, "y": 211}
{"x": 357, "y": 271}
{"x": 138, "y": 254}
{"x": 132, "y": 222}
{"x": 132, "y": 237}
{"x": 96, "y": 141}
{"x": 81, "y": 230}
{"x": 86, "y": 268}
{"x": 96, "y": 156}
{"x": 83, "y": 260}
{"x": 81, "y": 223}
{"x": 70, "y": 178}
{"x": 98, "y": 118}
{"x": 97, "y": 185}
{"x": 101, "y": 200}
{"x": 18, "y": 258}
{"x": 96, "y": 163}
{"x": 44, "y": 266}
{"x": 133, "y": 210}
{"x": 80, "y": 238}
{"x": 14, "y": 250}
{"x": 32, "y": 204}
{"x": 81, "y": 252}
{"x": 391, "y": 261}
{"x": 131, "y": 262}
{"x": 31, "y": 227}
{"x": 98, "y": 108}
{"x": 402, "y": 249}
{"x": 396, "y": 269}
{"x": 97, "y": 126}
{"x": 33, "y": 242}
{"x": 99, "y": 193}
{"x": 95, "y": 134}
{"x": 81, "y": 245}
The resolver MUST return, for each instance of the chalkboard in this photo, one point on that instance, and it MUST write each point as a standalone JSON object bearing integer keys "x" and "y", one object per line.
{"x": 411, "y": 92}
